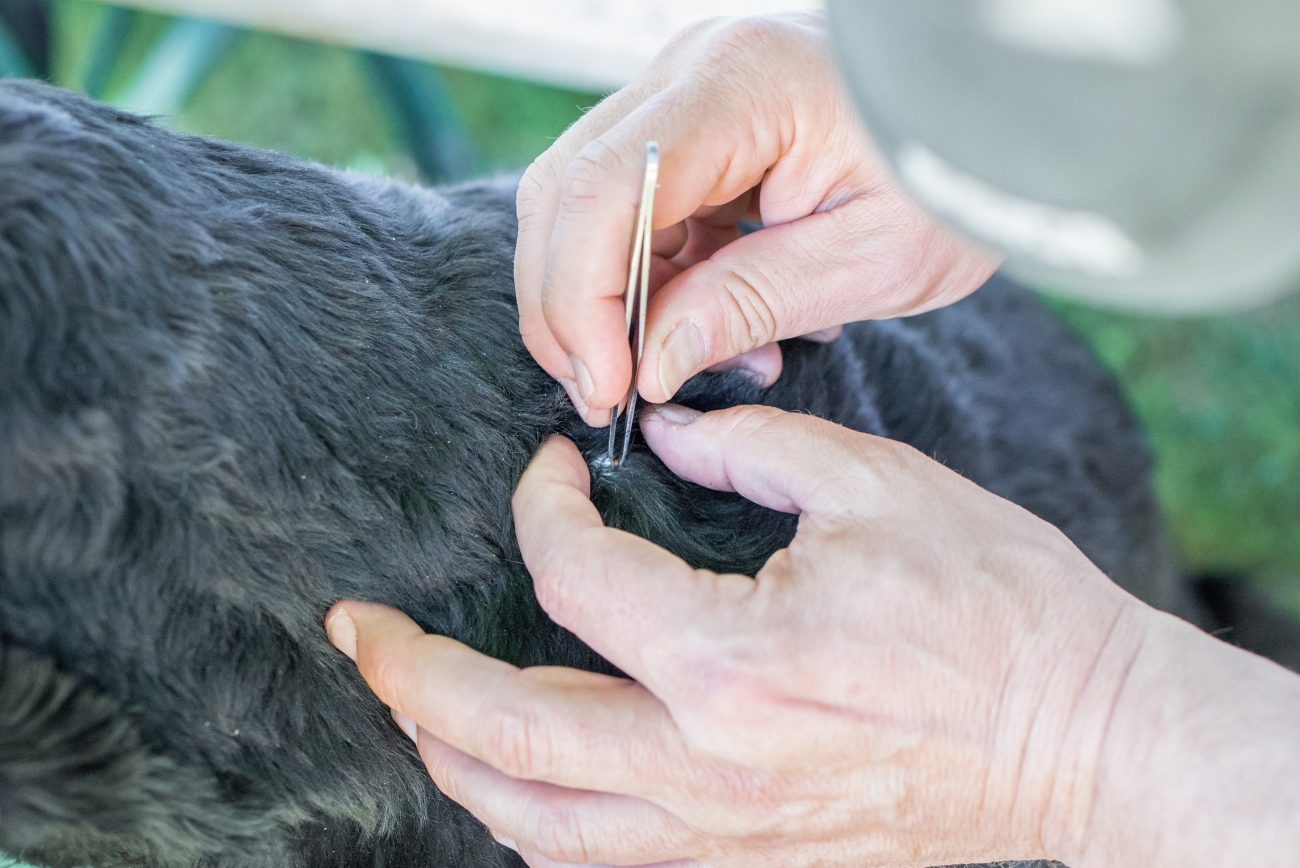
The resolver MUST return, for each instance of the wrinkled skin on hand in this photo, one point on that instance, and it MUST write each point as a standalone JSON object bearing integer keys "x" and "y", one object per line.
{"x": 870, "y": 697}
{"x": 753, "y": 123}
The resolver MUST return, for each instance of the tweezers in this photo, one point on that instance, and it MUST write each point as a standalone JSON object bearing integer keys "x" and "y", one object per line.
{"x": 634, "y": 301}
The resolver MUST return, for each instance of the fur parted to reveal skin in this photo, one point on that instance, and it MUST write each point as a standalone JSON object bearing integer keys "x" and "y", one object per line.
{"x": 236, "y": 387}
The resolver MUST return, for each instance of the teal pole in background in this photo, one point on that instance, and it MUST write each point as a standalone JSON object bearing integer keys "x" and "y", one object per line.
{"x": 175, "y": 66}
{"x": 107, "y": 50}
{"x": 425, "y": 116}
{"x": 13, "y": 61}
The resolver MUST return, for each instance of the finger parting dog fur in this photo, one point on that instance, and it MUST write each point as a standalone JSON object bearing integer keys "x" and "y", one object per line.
{"x": 236, "y": 387}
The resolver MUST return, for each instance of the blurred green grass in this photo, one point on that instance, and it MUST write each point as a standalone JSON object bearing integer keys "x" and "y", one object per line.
{"x": 1219, "y": 396}
{"x": 1220, "y": 399}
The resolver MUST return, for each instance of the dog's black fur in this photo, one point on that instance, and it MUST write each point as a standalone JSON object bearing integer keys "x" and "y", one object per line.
{"x": 235, "y": 388}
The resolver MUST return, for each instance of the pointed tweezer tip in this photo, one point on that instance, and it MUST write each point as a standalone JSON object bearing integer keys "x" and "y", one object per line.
{"x": 613, "y": 439}
{"x": 634, "y": 292}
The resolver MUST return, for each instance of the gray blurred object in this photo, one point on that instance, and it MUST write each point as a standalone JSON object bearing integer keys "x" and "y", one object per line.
{"x": 1142, "y": 153}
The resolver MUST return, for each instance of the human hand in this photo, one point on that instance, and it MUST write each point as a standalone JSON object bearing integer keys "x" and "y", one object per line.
{"x": 752, "y": 122}
{"x": 923, "y": 677}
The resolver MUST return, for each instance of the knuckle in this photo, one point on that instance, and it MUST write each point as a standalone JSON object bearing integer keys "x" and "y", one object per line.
{"x": 755, "y": 419}
{"x": 689, "y": 36}
{"x": 760, "y": 49}
{"x": 883, "y": 460}
{"x": 560, "y": 834}
{"x": 387, "y": 676}
{"x": 766, "y": 425}
{"x": 554, "y": 577}
{"x": 877, "y": 473}
{"x": 744, "y": 36}
{"x": 838, "y": 495}
{"x": 586, "y": 178}
{"x": 702, "y": 27}
{"x": 835, "y": 492}
{"x": 516, "y": 742}
{"x": 551, "y": 576}
{"x": 533, "y": 191}
{"x": 750, "y": 320}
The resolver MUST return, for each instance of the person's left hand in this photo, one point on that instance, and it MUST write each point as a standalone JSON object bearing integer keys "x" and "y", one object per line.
{"x": 923, "y": 677}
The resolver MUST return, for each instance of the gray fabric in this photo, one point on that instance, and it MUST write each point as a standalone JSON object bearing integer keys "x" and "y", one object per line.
{"x": 1189, "y": 142}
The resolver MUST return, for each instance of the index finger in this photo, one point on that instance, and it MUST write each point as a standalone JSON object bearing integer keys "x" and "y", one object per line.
{"x": 567, "y": 727}
{"x": 636, "y": 604}
{"x": 576, "y": 223}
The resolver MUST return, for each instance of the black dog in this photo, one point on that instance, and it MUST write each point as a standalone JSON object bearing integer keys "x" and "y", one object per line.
{"x": 235, "y": 388}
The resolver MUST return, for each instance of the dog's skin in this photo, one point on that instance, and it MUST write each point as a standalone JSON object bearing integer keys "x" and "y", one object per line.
{"x": 235, "y": 388}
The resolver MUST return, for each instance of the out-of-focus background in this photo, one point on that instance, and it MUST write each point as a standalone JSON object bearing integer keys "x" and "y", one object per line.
{"x": 1220, "y": 396}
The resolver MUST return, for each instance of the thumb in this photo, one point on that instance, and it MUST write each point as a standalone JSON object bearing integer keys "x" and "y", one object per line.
{"x": 870, "y": 258}
{"x": 788, "y": 462}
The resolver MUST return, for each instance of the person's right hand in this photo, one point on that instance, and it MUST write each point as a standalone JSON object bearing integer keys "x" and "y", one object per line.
{"x": 752, "y": 122}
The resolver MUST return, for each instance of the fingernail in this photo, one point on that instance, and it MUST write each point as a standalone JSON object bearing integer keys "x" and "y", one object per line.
{"x": 583, "y": 377}
{"x": 407, "y": 725}
{"x": 505, "y": 842}
{"x": 676, "y": 414}
{"x": 571, "y": 389}
{"x": 680, "y": 356}
{"x": 343, "y": 633}
{"x": 594, "y": 418}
